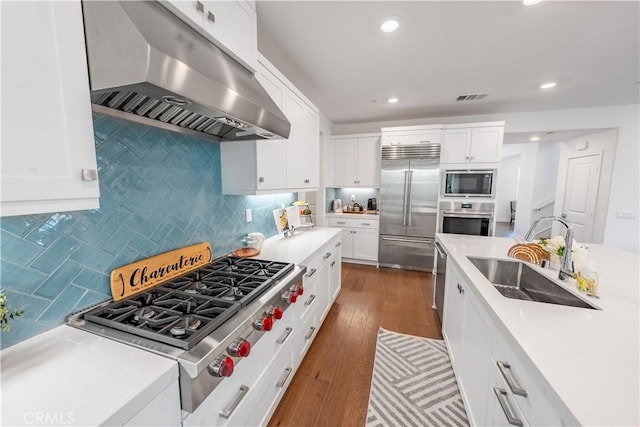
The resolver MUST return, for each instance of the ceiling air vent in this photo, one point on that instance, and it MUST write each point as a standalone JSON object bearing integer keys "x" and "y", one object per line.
{"x": 474, "y": 97}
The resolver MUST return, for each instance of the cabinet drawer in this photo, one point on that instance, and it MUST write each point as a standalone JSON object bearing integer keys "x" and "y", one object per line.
{"x": 412, "y": 138}
{"x": 519, "y": 381}
{"x": 503, "y": 410}
{"x": 354, "y": 223}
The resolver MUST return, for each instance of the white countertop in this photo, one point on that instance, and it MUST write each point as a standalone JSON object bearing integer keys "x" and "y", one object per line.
{"x": 299, "y": 247}
{"x": 589, "y": 358}
{"x": 71, "y": 377}
{"x": 373, "y": 216}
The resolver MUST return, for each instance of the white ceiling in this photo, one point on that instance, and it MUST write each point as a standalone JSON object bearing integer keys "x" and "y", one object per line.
{"x": 334, "y": 52}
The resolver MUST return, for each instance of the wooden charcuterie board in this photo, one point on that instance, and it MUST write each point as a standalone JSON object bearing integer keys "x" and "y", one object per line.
{"x": 145, "y": 274}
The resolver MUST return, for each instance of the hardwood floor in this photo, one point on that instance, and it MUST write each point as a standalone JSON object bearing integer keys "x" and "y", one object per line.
{"x": 331, "y": 386}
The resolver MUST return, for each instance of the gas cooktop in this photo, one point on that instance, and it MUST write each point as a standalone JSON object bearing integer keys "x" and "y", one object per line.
{"x": 184, "y": 310}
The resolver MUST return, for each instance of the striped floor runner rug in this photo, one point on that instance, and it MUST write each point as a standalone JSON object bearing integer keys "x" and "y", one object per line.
{"x": 413, "y": 384}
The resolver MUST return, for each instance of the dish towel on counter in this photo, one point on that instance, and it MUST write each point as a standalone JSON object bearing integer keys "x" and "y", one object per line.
{"x": 413, "y": 384}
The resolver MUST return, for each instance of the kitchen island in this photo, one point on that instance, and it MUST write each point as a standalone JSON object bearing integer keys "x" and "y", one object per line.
{"x": 583, "y": 364}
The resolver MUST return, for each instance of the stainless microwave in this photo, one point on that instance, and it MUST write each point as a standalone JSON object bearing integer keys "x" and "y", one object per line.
{"x": 469, "y": 183}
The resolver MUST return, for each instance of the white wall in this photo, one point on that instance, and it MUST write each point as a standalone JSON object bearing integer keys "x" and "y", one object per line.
{"x": 507, "y": 189}
{"x": 546, "y": 172}
{"x": 625, "y": 184}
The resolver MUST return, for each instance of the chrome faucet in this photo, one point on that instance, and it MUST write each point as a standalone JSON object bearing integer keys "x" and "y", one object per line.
{"x": 566, "y": 269}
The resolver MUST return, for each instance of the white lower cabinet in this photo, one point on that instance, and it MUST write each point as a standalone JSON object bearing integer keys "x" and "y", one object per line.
{"x": 163, "y": 410}
{"x": 498, "y": 384}
{"x": 468, "y": 332}
{"x": 335, "y": 271}
{"x": 359, "y": 238}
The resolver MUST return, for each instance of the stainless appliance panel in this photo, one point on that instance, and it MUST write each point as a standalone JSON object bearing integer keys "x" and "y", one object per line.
{"x": 148, "y": 66}
{"x": 469, "y": 183}
{"x": 441, "y": 267}
{"x": 406, "y": 252}
{"x": 423, "y": 198}
{"x": 393, "y": 196}
{"x": 472, "y": 218}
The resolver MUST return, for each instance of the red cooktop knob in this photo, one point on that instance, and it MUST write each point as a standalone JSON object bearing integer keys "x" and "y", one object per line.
{"x": 239, "y": 348}
{"x": 275, "y": 312}
{"x": 267, "y": 323}
{"x": 221, "y": 367}
{"x": 300, "y": 290}
{"x": 294, "y": 297}
{"x": 297, "y": 289}
{"x": 264, "y": 324}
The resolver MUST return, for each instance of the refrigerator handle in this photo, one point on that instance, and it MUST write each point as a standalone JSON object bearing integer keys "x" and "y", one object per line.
{"x": 410, "y": 189}
{"x": 405, "y": 197}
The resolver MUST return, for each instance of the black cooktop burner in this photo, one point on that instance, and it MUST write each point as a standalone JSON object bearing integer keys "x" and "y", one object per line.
{"x": 186, "y": 309}
{"x": 246, "y": 266}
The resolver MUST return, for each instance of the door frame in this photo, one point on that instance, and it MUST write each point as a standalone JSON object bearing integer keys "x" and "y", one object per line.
{"x": 604, "y": 143}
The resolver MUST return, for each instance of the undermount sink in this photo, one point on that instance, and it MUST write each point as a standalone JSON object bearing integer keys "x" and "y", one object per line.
{"x": 515, "y": 279}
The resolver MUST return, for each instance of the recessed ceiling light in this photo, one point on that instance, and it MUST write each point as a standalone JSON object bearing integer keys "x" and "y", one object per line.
{"x": 534, "y": 138}
{"x": 392, "y": 100}
{"x": 530, "y": 2}
{"x": 390, "y": 24}
{"x": 548, "y": 85}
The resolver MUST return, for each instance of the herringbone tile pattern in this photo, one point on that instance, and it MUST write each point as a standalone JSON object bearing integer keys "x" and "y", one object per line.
{"x": 159, "y": 191}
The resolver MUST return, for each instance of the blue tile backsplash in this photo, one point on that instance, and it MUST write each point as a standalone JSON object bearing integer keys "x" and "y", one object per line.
{"x": 159, "y": 191}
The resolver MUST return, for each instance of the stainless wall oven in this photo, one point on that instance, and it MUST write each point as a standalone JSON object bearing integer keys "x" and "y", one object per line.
{"x": 469, "y": 183}
{"x": 473, "y": 218}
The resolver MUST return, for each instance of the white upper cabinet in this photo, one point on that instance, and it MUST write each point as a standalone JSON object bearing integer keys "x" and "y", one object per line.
{"x": 276, "y": 166}
{"x": 356, "y": 161}
{"x": 48, "y": 150}
{"x": 472, "y": 143}
{"x": 412, "y": 135}
{"x": 231, "y": 25}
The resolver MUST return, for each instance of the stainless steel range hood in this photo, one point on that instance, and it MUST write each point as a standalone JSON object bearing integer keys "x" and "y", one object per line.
{"x": 148, "y": 66}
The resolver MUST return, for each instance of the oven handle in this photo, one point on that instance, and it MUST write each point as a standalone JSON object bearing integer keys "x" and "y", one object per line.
{"x": 484, "y": 214}
{"x": 228, "y": 410}
{"x": 406, "y": 240}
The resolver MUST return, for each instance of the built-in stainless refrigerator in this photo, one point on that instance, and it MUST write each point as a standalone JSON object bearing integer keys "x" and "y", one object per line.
{"x": 409, "y": 184}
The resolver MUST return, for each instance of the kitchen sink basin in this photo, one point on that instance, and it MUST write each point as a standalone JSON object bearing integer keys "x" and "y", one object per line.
{"x": 515, "y": 279}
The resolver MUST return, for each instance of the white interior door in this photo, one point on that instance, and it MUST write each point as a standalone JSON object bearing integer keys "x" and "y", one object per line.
{"x": 581, "y": 193}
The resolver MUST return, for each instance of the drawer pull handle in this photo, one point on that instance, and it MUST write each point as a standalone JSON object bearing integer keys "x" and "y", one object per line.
{"x": 327, "y": 255}
{"x": 514, "y": 385}
{"x": 211, "y": 17}
{"x": 311, "y": 273}
{"x": 284, "y": 378}
{"x": 506, "y": 408}
{"x": 340, "y": 222}
{"x": 338, "y": 244}
{"x": 310, "y": 333}
{"x": 333, "y": 263}
{"x": 365, "y": 223}
{"x": 200, "y": 6}
{"x": 285, "y": 335}
{"x": 228, "y": 410}
{"x": 310, "y": 300}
